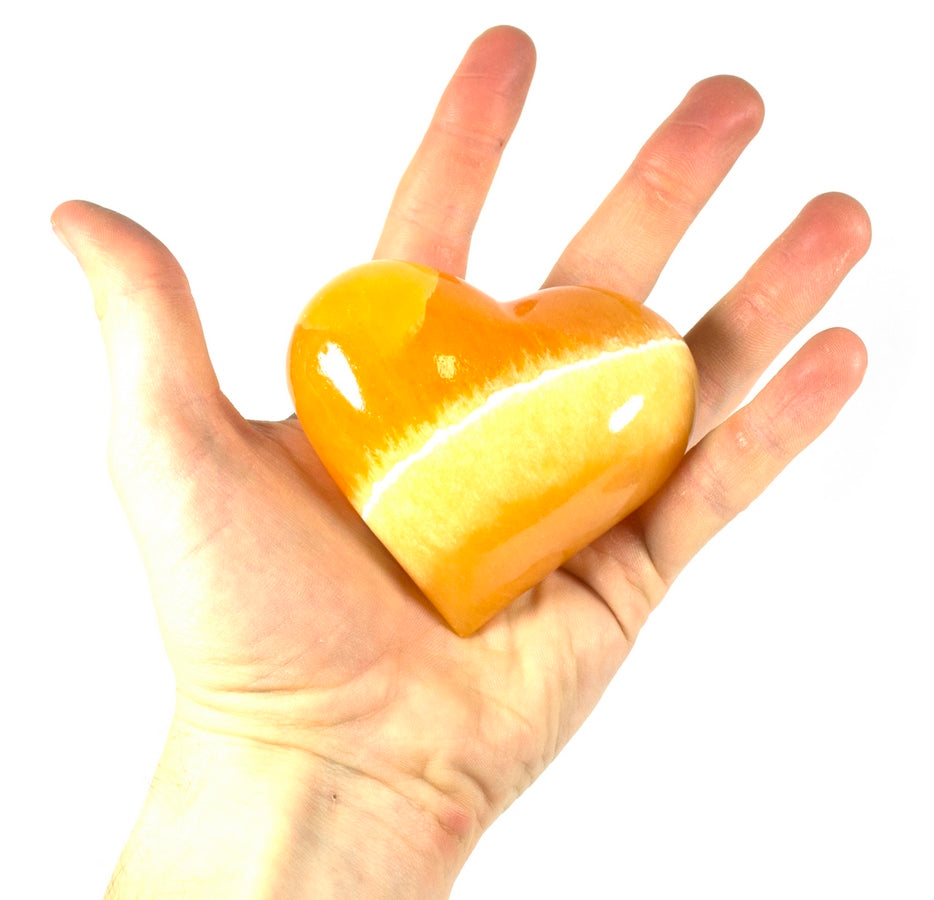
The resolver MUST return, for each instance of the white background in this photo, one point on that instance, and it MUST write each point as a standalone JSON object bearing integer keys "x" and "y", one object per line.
{"x": 771, "y": 735}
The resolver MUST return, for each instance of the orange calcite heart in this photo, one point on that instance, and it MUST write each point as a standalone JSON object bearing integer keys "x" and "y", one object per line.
{"x": 485, "y": 443}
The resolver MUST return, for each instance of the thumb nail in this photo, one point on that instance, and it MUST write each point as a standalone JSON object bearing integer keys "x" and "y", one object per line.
{"x": 60, "y": 235}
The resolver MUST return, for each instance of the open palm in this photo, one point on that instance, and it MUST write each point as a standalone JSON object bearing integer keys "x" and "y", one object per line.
{"x": 285, "y": 620}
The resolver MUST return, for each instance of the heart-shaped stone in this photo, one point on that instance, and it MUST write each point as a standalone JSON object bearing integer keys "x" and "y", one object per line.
{"x": 484, "y": 443}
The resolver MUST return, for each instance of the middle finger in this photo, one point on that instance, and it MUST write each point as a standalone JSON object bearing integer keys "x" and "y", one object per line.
{"x": 439, "y": 199}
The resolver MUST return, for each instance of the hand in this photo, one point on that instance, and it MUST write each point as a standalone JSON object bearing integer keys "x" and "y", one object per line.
{"x": 322, "y": 706}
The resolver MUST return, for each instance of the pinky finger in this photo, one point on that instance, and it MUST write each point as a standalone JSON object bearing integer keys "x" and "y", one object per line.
{"x": 736, "y": 461}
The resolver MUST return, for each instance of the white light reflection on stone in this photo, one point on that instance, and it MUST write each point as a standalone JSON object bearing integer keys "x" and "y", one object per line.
{"x": 626, "y": 413}
{"x": 334, "y": 366}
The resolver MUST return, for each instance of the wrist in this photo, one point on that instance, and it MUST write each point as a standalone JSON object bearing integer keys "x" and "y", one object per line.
{"x": 232, "y": 817}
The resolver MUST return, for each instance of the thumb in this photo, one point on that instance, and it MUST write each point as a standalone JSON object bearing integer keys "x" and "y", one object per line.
{"x": 156, "y": 352}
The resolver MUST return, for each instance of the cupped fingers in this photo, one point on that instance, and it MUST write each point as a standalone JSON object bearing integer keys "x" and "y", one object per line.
{"x": 432, "y": 216}
{"x": 742, "y": 334}
{"x": 626, "y": 243}
{"x": 735, "y": 462}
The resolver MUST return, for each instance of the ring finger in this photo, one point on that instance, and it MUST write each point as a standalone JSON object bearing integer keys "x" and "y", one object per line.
{"x": 625, "y": 244}
{"x": 789, "y": 284}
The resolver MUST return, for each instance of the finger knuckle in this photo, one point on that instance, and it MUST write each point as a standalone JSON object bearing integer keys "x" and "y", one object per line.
{"x": 711, "y": 481}
{"x": 665, "y": 178}
{"x": 757, "y": 309}
{"x": 727, "y": 474}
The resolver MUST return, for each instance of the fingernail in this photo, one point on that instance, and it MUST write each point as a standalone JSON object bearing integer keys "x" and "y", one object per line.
{"x": 63, "y": 239}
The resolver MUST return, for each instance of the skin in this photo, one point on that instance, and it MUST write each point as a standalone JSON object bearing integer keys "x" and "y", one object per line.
{"x": 322, "y": 706}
